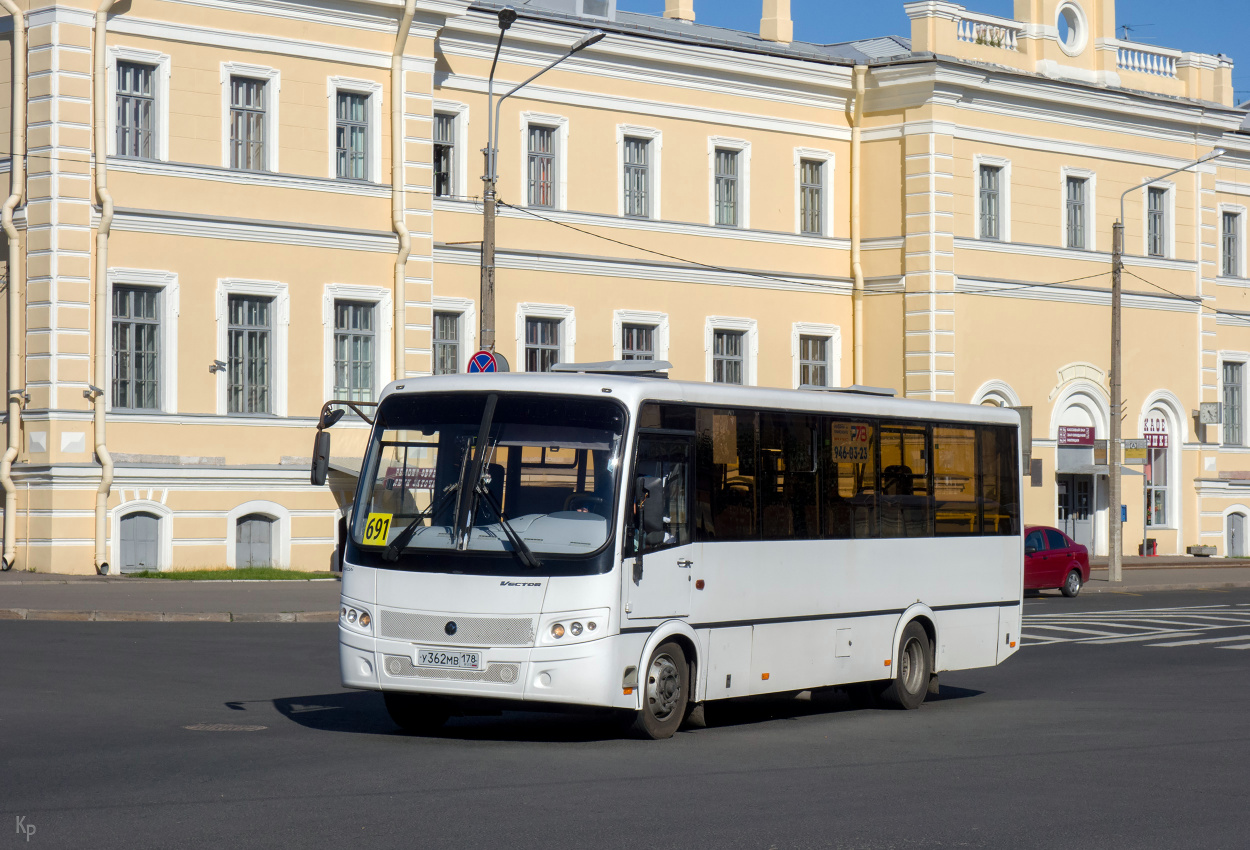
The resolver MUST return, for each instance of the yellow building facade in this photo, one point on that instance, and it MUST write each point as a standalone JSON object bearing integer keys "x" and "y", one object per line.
{"x": 225, "y": 213}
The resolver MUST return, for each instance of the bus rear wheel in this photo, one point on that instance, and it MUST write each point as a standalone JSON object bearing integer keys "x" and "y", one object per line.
{"x": 665, "y": 693}
{"x": 915, "y": 666}
{"x": 416, "y": 713}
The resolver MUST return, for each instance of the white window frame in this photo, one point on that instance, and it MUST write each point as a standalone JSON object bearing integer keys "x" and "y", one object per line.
{"x": 272, "y": 78}
{"x": 659, "y": 321}
{"x": 559, "y": 123}
{"x": 144, "y": 57}
{"x": 1166, "y": 409}
{"x": 384, "y": 322}
{"x": 743, "y": 147}
{"x": 281, "y": 542}
{"x": 466, "y": 326}
{"x": 1091, "y": 196}
{"x": 164, "y": 530}
{"x": 750, "y": 350}
{"x": 1169, "y": 218}
{"x": 373, "y": 108}
{"x": 1240, "y": 211}
{"x": 826, "y": 158}
{"x": 833, "y": 350}
{"x": 1243, "y": 358}
{"x": 167, "y": 283}
{"x": 568, "y": 329}
{"x": 281, "y": 314}
{"x": 655, "y": 150}
{"x": 460, "y": 148}
{"x": 1004, "y": 196}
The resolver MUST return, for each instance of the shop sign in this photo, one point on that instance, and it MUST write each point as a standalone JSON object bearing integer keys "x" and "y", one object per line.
{"x": 1155, "y": 430}
{"x": 1076, "y": 435}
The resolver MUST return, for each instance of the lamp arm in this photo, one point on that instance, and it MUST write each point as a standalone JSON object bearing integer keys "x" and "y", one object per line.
{"x": 490, "y": 96}
{"x": 1218, "y": 152}
{"x": 515, "y": 89}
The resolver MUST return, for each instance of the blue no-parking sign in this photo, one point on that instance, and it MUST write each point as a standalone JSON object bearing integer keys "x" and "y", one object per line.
{"x": 483, "y": 361}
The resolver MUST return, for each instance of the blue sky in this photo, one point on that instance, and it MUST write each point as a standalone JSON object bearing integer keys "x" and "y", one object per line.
{"x": 1206, "y": 26}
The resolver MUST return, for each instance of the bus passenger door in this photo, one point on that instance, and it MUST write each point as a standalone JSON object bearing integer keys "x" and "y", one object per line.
{"x": 659, "y": 552}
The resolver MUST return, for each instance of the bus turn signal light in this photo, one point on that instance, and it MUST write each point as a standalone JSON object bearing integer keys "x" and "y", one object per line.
{"x": 627, "y": 691}
{"x": 764, "y": 676}
{"x": 887, "y": 662}
{"x": 1013, "y": 644}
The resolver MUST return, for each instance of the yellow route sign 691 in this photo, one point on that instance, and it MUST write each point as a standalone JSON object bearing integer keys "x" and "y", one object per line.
{"x": 377, "y": 529}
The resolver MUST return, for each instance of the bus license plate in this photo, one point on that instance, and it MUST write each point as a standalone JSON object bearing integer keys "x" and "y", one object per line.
{"x": 454, "y": 660}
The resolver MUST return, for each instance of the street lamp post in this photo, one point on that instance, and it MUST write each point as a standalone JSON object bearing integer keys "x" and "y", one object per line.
{"x": 1116, "y": 559}
{"x": 507, "y": 16}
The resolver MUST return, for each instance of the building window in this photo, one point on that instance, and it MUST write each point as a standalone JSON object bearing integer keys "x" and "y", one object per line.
{"x": 1230, "y": 244}
{"x": 352, "y": 136}
{"x": 249, "y": 347}
{"x": 136, "y": 348}
{"x": 247, "y": 124}
{"x": 542, "y": 166}
{"x": 446, "y": 343}
{"x": 444, "y": 155}
{"x": 542, "y": 344}
{"x": 813, "y": 361}
{"x": 811, "y": 196}
{"x": 1076, "y": 217}
{"x": 991, "y": 201}
{"x": 136, "y": 110}
{"x": 637, "y": 342}
{"x": 354, "y": 350}
{"x": 1233, "y": 435}
{"x": 727, "y": 187}
{"x": 727, "y": 357}
{"x": 637, "y": 177}
{"x": 1156, "y": 221}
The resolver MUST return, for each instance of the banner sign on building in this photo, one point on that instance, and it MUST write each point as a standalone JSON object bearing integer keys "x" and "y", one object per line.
{"x": 1076, "y": 435}
{"x": 1155, "y": 431}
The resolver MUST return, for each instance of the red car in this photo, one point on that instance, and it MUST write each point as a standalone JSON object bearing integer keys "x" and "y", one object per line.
{"x": 1053, "y": 559}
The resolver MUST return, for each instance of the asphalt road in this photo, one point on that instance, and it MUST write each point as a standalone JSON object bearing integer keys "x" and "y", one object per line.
{"x": 1070, "y": 744}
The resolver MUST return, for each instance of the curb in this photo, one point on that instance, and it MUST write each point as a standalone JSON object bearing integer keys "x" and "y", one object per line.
{"x": 168, "y": 617}
{"x": 1137, "y": 588}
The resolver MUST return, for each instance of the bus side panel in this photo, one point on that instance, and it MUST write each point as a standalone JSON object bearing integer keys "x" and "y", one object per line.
{"x": 1009, "y": 626}
{"x": 728, "y": 662}
{"x": 966, "y": 638}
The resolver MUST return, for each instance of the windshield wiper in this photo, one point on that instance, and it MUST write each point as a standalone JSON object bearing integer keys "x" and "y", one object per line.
{"x": 468, "y": 493}
{"x": 519, "y": 547}
{"x": 401, "y": 541}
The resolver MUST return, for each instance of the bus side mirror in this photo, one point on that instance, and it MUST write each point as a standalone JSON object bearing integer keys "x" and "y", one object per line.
{"x": 649, "y": 495}
{"x": 320, "y": 458}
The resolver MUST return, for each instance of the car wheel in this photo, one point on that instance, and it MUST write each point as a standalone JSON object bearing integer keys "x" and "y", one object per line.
{"x": 416, "y": 713}
{"x": 915, "y": 666}
{"x": 1072, "y": 584}
{"x": 665, "y": 693}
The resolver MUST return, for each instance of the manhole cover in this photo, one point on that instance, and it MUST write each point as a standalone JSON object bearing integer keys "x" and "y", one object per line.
{"x": 223, "y": 727}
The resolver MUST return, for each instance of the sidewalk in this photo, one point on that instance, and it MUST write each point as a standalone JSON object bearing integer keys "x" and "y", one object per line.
{"x": 47, "y": 596}
{"x": 1175, "y": 572}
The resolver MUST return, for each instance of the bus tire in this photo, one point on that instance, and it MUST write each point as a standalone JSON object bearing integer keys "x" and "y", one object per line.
{"x": 915, "y": 666}
{"x": 1072, "y": 584}
{"x": 665, "y": 693}
{"x": 416, "y": 713}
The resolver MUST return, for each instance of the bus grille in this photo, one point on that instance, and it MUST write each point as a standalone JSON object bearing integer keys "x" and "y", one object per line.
{"x": 401, "y": 665}
{"x": 470, "y": 631}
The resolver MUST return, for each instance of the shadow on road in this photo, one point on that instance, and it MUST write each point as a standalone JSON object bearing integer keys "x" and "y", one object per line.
{"x": 363, "y": 712}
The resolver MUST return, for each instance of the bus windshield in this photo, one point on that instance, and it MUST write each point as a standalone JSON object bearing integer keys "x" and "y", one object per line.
{"x": 549, "y": 465}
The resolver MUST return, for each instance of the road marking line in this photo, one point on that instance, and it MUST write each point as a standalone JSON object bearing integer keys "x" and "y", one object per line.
{"x": 1071, "y": 629}
{"x": 1202, "y": 640}
{"x": 1143, "y": 637}
{"x": 1242, "y": 646}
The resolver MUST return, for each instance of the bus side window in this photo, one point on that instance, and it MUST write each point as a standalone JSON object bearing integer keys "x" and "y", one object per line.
{"x": 661, "y": 472}
{"x": 730, "y": 478}
{"x": 789, "y": 483}
{"x": 849, "y": 479}
{"x": 1000, "y": 488}
{"x": 955, "y": 481}
{"x": 906, "y": 498}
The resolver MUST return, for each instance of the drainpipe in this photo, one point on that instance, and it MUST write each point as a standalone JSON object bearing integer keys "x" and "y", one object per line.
{"x": 857, "y": 270}
{"x": 398, "y": 200}
{"x": 96, "y": 393}
{"x": 17, "y": 177}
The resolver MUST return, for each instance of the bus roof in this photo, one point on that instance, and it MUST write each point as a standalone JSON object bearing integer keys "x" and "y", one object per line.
{"x": 634, "y": 391}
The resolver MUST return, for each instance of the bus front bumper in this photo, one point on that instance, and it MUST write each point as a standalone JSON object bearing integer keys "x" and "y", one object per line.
{"x": 588, "y": 673}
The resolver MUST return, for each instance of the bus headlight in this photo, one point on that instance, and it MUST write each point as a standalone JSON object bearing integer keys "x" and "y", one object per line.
{"x": 572, "y": 627}
{"x": 356, "y": 619}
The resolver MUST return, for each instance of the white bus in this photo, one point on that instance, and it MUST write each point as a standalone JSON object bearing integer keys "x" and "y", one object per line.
{"x": 628, "y": 542}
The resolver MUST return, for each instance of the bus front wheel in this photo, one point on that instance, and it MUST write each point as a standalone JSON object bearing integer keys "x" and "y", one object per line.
{"x": 915, "y": 666}
{"x": 416, "y": 713}
{"x": 665, "y": 693}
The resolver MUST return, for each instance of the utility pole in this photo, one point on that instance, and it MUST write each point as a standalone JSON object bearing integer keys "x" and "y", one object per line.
{"x": 486, "y": 330}
{"x": 1115, "y": 444}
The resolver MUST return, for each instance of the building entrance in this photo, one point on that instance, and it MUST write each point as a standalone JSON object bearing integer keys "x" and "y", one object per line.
{"x": 1075, "y": 494}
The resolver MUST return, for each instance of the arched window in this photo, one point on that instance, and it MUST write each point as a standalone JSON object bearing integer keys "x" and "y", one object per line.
{"x": 253, "y": 541}
{"x": 1158, "y": 501}
{"x": 140, "y": 542}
